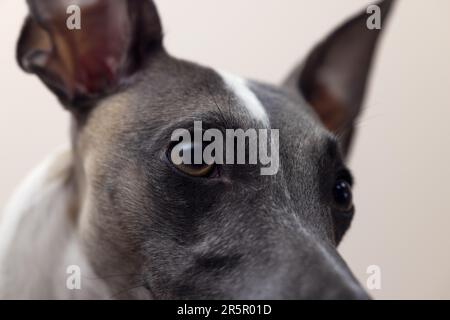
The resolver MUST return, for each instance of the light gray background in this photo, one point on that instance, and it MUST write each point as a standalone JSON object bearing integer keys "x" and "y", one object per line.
{"x": 402, "y": 154}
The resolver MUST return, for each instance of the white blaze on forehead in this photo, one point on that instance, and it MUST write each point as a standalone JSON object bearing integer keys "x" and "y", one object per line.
{"x": 251, "y": 102}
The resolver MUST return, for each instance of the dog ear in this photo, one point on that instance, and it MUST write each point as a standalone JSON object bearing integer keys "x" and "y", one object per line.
{"x": 333, "y": 78}
{"x": 83, "y": 62}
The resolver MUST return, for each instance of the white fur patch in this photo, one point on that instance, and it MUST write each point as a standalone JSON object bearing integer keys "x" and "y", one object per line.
{"x": 29, "y": 194}
{"x": 37, "y": 238}
{"x": 251, "y": 102}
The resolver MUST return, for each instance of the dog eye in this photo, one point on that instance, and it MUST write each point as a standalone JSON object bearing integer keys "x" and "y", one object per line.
{"x": 196, "y": 170}
{"x": 342, "y": 194}
{"x": 177, "y": 159}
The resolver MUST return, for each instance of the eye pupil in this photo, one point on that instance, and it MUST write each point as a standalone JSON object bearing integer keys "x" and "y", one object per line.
{"x": 343, "y": 195}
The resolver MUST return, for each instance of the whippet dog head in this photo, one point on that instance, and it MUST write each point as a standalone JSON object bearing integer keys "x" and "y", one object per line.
{"x": 208, "y": 230}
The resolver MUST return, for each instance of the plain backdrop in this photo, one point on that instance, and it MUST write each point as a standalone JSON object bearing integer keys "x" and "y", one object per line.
{"x": 401, "y": 157}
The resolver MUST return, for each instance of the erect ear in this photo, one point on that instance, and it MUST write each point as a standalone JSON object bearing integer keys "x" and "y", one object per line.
{"x": 83, "y": 62}
{"x": 333, "y": 78}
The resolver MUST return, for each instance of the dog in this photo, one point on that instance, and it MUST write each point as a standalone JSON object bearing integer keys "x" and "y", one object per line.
{"x": 136, "y": 225}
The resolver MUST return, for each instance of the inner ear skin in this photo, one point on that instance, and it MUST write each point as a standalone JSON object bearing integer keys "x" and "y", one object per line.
{"x": 81, "y": 66}
{"x": 331, "y": 112}
{"x": 333, "y": 78}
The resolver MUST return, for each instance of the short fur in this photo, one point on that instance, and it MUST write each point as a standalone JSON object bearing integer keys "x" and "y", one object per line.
{"x": 113, "y": 203}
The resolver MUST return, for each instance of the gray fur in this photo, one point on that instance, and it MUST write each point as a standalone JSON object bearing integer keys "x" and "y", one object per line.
{"x": 165, "y": 235}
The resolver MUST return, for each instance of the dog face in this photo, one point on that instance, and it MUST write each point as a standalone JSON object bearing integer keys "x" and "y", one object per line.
{"x": 202, "y": 231}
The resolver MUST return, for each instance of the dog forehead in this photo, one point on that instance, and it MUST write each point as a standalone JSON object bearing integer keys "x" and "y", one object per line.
{"x": 171, "y": 92}
{"x": 241, "y": 89}
{"x": 196, "y": 91}
{"x": 303, "y": 138}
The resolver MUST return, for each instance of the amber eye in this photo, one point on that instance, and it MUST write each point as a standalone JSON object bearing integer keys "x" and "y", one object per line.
{"x": 342, "y": 193}
{"x": 195, "y": 170}
{"x": 183, "y": 159}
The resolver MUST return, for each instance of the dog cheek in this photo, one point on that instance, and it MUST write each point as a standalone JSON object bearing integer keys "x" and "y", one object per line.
{"x": 342, "y": 222}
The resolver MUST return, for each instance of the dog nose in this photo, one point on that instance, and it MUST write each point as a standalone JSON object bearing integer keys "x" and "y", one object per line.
{"x": 325, "y": 276}
{"x": 323, "y": 285}
{"x": 315, "y": 283}
{"x": 340, "y": 290}
{"x": 315, "y": 271}
{"x": 349, "y": 294}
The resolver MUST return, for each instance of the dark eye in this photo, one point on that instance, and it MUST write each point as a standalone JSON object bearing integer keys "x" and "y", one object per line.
{"x": 182, "y": 158}
{"x": 342, "y": 194}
